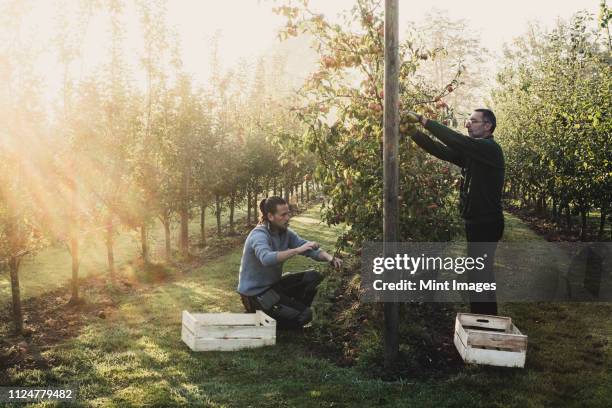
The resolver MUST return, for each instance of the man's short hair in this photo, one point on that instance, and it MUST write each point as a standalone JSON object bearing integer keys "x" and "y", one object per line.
{"x": 488, "y": 116}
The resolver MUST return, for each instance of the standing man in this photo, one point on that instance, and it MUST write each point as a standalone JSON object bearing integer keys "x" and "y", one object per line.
{"x": 261, "y": 284}
{"x": 482, "y": 178}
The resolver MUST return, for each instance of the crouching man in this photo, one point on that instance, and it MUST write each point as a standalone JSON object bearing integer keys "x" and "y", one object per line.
{"x": 261, "y": 284}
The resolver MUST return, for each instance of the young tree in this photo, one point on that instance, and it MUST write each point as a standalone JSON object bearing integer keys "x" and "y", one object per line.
{"x": 160, "y": 57}
{"x": 72, "y": 24}
{"x": 23, "y": 117}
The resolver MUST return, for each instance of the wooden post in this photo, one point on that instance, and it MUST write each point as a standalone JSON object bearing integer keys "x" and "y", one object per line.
{"x": 391, "y": 166}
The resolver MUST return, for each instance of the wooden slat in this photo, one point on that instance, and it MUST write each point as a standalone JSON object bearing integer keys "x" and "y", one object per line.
{"x": 460, "y": 332}
{"x": 188, "y": 337}
{"x": 461, "y": 347}
{"x": 485, "y": 321}
{"x": 185, "y": 327}
{"x": 245, "y": 332}
{"x": 226, "y": 319}
{"x": 495, "y": 357}
{"x": 189, "y": 321}
{"x": 515, "y": 330}
{"x": 231, "y": 344}
{"x": 513, "y": 342}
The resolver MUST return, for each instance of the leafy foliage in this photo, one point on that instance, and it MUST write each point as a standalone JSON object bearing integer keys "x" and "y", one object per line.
{"x": 341, "y": 107}
{"x": 553, "y": 104}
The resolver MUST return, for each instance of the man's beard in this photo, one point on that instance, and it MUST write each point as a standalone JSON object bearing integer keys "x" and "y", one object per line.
{"x": 281, "y": 227}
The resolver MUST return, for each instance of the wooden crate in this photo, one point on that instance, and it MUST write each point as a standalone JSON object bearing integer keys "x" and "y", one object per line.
{"x": 227, "y": 331}
{"x": 492, "y": 340}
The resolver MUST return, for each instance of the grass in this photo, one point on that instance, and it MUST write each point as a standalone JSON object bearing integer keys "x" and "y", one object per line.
{"x": 593, "y": 221}
{"x": 135, "y": 356}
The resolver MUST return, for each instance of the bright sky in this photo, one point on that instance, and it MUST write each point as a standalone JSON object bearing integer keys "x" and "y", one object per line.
{"x": 248, "y": 27}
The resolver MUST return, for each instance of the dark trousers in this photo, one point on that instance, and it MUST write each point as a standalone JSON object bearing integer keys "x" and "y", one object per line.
{"x": 482, "y": 239}
{"x": 296, "y": 292}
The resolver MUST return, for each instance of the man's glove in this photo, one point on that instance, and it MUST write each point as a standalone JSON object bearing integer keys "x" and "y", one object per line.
{"x": 406, "y": 127}
{"x": 413, "y": 117}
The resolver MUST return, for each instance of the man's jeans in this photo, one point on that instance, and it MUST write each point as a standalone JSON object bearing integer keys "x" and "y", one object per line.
{"x": 482, "y": 239}
{"x": 295, "y": 294}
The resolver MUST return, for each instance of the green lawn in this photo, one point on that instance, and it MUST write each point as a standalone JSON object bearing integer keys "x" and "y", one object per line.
{"x": 135, "y": 356}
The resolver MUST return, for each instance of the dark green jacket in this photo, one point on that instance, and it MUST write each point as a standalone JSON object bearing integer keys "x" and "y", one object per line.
{"x": 482, "y": 169}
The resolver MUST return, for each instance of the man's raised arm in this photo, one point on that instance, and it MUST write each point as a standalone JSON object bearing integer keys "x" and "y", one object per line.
{"x": 435, "y": 148}
{"x": 477, "y": 149}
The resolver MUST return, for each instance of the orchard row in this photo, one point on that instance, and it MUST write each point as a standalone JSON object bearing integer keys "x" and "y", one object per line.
{"x": 553, "y": 106}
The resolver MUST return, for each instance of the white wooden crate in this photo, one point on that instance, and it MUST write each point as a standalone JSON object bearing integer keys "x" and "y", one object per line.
{"x": 227, "y": 331}
{"x": 492, "y": 340}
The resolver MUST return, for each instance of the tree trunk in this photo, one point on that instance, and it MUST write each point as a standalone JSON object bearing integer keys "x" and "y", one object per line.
{"x": 302, "y": 193}
{"x": 184, "y": 232}
{"x": 184, "y": 209}
{"x": 17, "y": 312}
{"x": 218, "y": 213}
{"x": 74, "y": 252}
{"x": 307, "y": 190}
{"x": 167, "y": 238}
{"x": 287, "y": 193}
{"x": 602, "y": 222}
{"x": 255, "y": 207}
{"x": 231, "y": 214}
{"x": 568, "y": 217}
{"x": 539, "y": 206}
{"x": 249, "y": 203}
{"x": 144, "y": 243}
{"x": 110, "y": 253}
{"x": 274, "y": 186}
{"x": 74, "y": 244}
{"x": 203, "y": 224}
{"x": 583, "y": 224}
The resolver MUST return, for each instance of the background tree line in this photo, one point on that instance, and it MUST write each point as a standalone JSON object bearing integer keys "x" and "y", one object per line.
{"x": 553, "y": 105}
